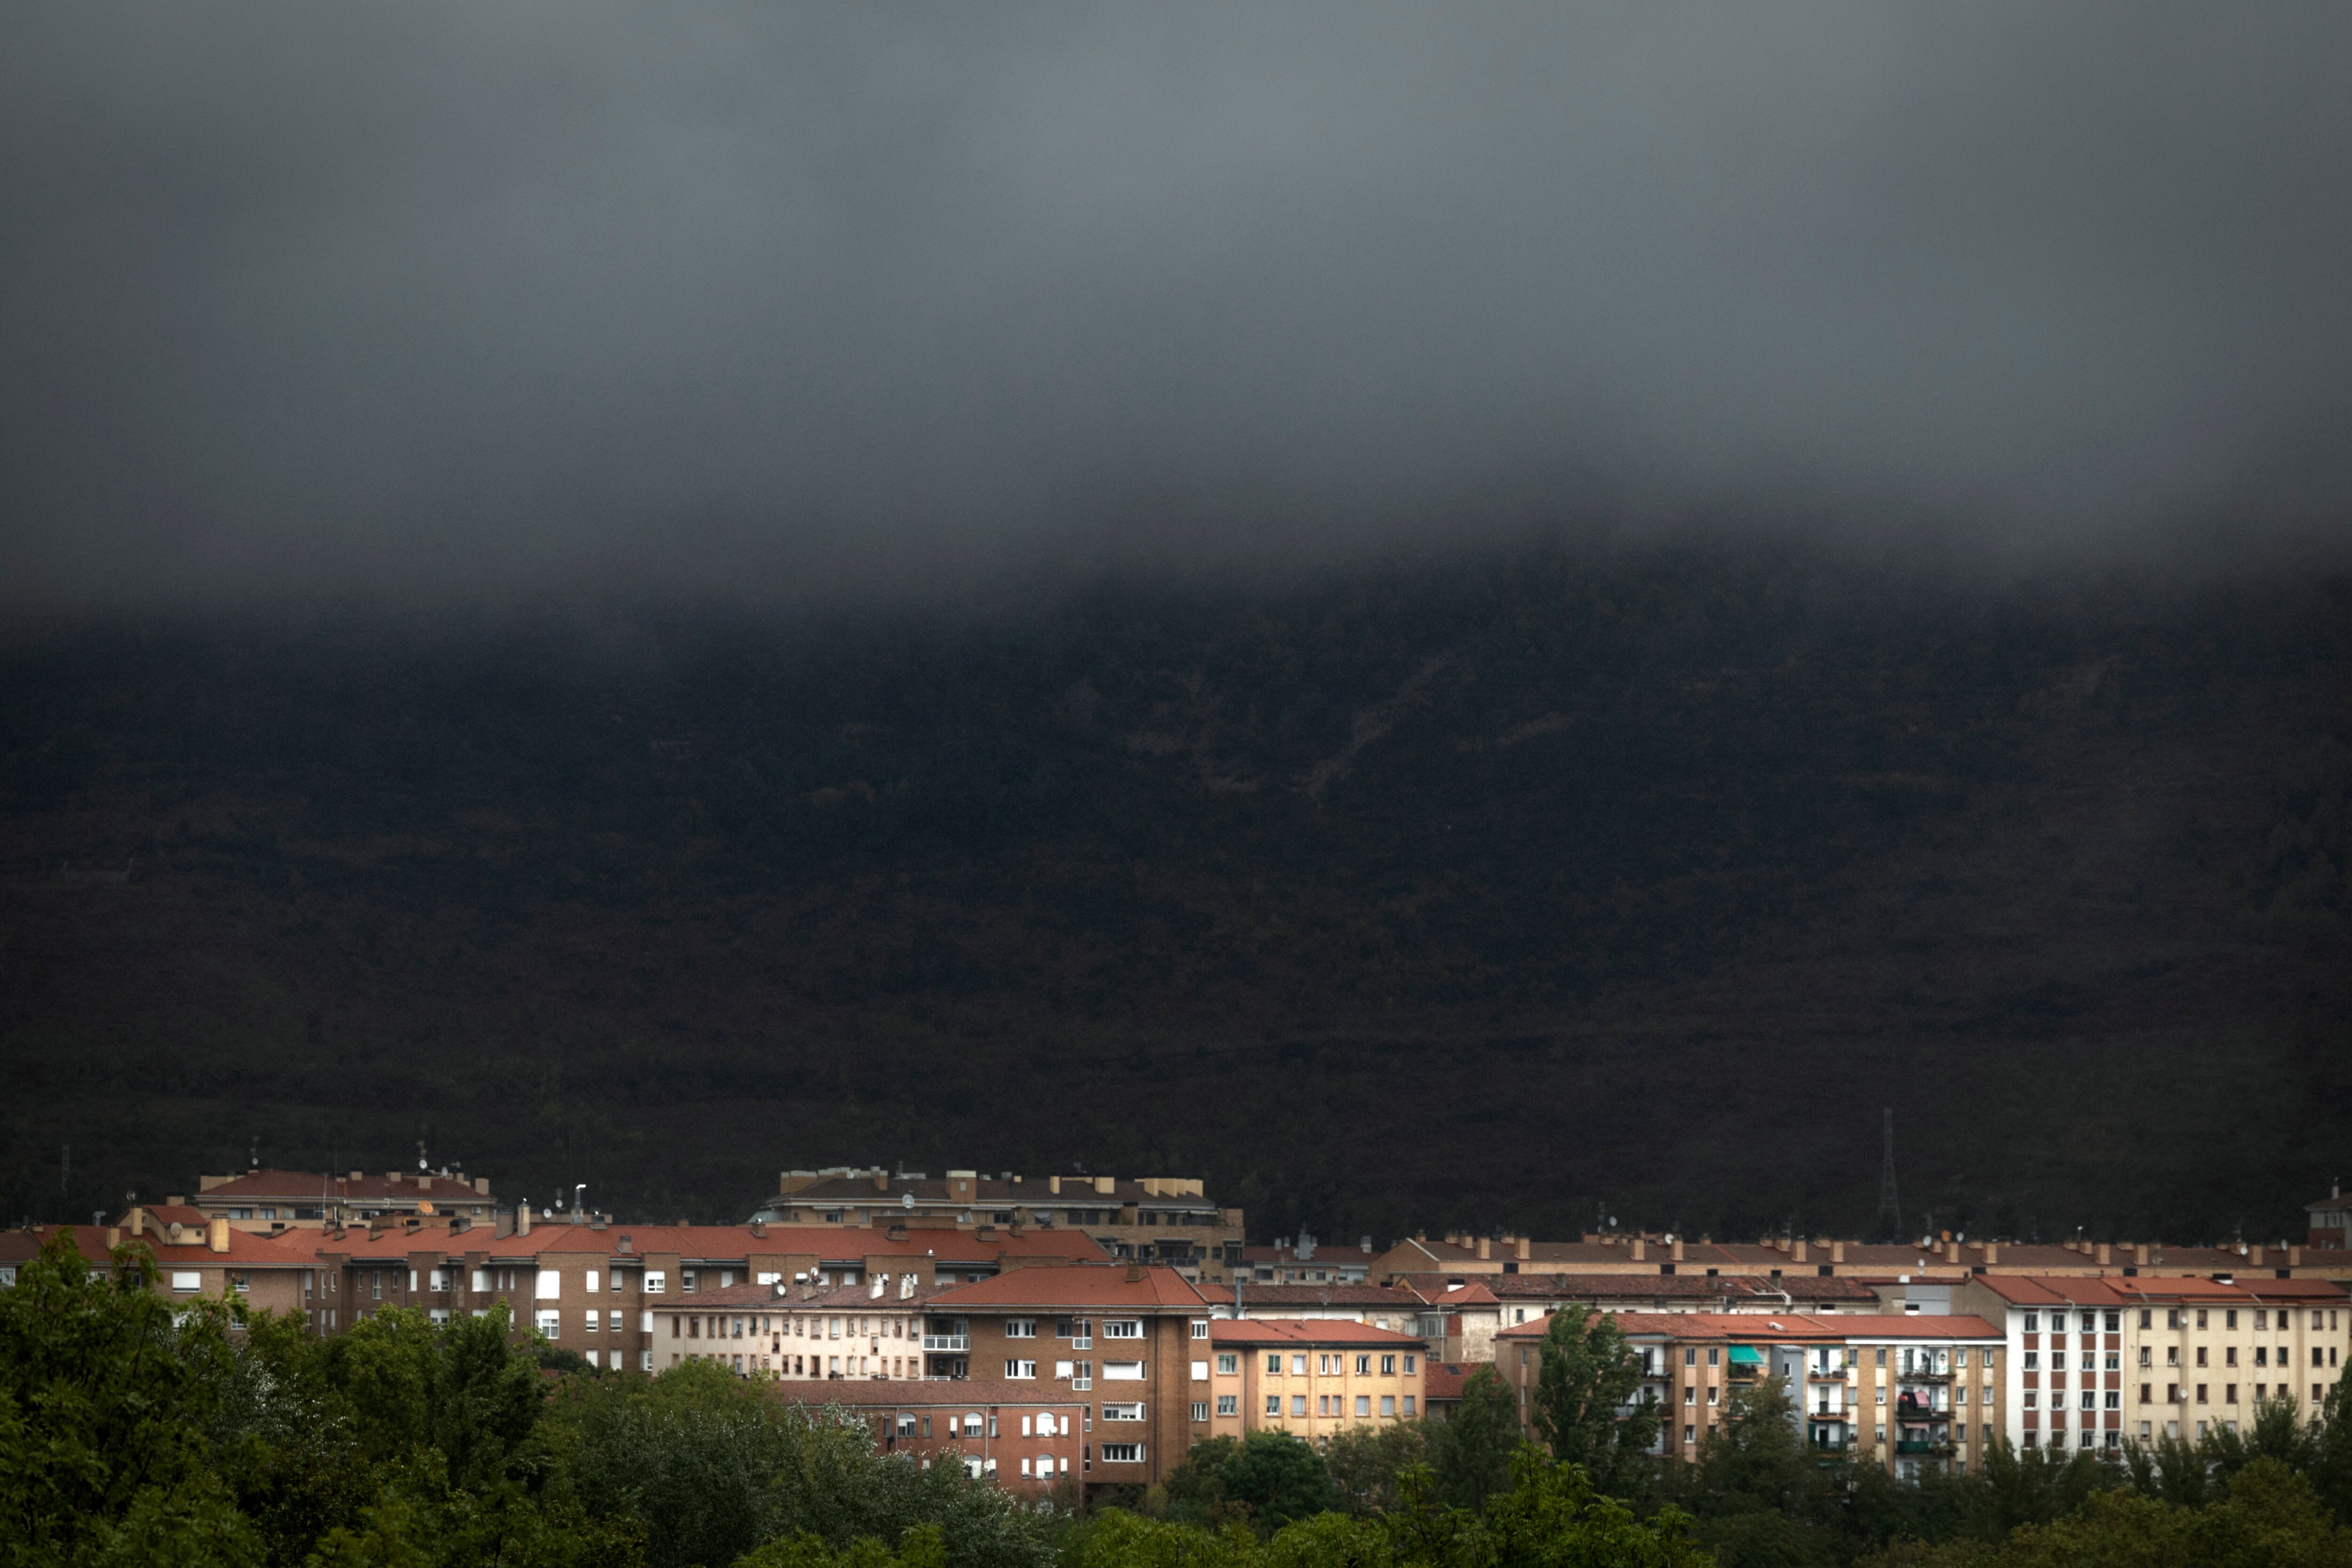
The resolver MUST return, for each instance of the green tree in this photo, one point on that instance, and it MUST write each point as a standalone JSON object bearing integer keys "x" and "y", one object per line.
{"x": 1761, "y": 1494}
{"x": 1470, "y": 1452}
{"x": 1586, "y": 1408}
{"x": 1279, "y": 1477}
{"x": 106, "y": 1391}
{"x": 1365, "y": 1463}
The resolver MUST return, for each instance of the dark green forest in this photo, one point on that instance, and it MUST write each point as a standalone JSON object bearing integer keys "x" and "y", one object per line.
{"x": 137, "y": 1431}
{"x": 1498, "y": 890}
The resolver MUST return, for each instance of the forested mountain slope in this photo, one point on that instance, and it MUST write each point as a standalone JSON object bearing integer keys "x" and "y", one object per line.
{"x": 1488, "y": 891}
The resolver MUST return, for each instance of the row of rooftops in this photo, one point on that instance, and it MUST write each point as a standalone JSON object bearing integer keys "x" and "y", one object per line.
{"x": 1064, "y": 1271}
{"x": 1826, "y": 1256}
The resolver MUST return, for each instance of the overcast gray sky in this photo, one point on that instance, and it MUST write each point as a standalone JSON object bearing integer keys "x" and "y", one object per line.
{"x": 301, "y": 298}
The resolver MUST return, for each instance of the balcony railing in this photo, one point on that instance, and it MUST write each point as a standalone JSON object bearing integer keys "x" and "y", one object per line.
{"x": 1826, "y": 1374}
{"x": 1923, "y": 1377}
{"x": 1924, "y": 1445}
{"x": 946, "y": 1341}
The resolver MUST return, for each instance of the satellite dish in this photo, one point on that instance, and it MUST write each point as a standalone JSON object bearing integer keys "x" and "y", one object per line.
{"x": 906, "y": 1200}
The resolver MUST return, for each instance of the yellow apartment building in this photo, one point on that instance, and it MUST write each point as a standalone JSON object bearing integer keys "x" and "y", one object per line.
{"x": 1311, "y": 1377}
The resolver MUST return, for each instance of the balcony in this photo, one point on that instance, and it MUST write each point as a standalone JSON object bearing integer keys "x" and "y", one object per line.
{"x": 1923, "y": 1445}
{"x": 946, "y": 1341}
{"x": 1928, "y": 1377}
{"x": 1826, "y": 1374}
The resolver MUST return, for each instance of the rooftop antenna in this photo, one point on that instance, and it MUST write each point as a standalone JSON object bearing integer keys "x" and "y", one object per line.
{"x": 420, "y": 1154}
{"x": 1890, "y": 1206}
{"x": 253, "y": 1154}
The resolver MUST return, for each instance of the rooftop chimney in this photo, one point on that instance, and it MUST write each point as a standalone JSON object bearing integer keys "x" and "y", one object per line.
{"x": 1485, "y": 1249}
{"x": 1678, "y": 1249}
{"x": 1641, "y": 1249}
{"x": 217, "y": 1235}
{"x": 2254, "y": 1254}
{"x": 1135, "y": 1273}
{"x": 1054, "y": 1186}
{"x": 1992, "y": 1252}
{"x": 1952, "y": 1252}
{"x": 2139, "y": 1255}
{"x": 2106, "y": 1254}
{"x": 523, "y": 1218}
{"x": 1797, "y": 1253}
{"x": 2294, "y": 1257}
{"x": 1523, "y": 1247}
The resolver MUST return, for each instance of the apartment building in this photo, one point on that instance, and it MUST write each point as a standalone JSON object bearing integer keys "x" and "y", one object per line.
{"x": 1166, "y": 1220}
{"x": 1304, "y": 1261}
{"x": 194, "y": 1257}
{"x": 2329, "y": 1220}
{"x": 1311, "y": 1377}
{"x": 1025, "y": 1439}
{"x": 589, "y": 1286}
{"x": 1906, "y": 1391}
{"x": 869, "y": 1333}
{"x": 1134, "y": 1340}
{"x": 1463, "y": 1313}
{"x": 2095, "y": 1363}
{"x": 268, "y": 1200}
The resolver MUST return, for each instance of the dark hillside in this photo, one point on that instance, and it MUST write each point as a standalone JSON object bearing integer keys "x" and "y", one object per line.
{"x": 1404, "y": 897}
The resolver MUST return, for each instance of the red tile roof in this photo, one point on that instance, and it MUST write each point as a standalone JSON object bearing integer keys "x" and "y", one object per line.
{"x": 313, "y": 1187}
{"x": 1443, "y": 1380}
{"x": 1077, "y": 1286}
{"x": 1470, "y": 1293}
{"x": 246, "y": 1250}
{"x": 1302, "y": 1332}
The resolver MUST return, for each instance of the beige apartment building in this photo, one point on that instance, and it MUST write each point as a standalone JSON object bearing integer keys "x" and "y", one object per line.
{"x": 2097, "y": 1363}
{"x": 1166, "y": 1220}
{"x": 1907, "y": 1392}
{"x": 1314, "y": 1378}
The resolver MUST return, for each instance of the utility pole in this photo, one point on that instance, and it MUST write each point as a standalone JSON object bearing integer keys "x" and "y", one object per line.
{"x": 1890, "y": 1206}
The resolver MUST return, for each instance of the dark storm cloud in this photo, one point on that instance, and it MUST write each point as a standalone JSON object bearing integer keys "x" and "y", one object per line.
{"x": 365, "y": 295}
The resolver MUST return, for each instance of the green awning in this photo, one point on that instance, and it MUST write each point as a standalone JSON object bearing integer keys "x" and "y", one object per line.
{"x": 1746, "y": 1355}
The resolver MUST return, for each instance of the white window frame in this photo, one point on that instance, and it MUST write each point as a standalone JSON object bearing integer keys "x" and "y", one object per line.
{"x": 1119, "y": 1453}
{"x": 1020, "y": 1328}
{"x": 547, "y": 1287}
{"x": 1021, "y": 1370}
{"x": 1122, "y": 1328}
{"x": 1123, "y": 1371}
{"x": 655, "y": 1281}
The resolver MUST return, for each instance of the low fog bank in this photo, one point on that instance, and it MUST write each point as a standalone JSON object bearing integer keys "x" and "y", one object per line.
{"x": 401, "y": 300}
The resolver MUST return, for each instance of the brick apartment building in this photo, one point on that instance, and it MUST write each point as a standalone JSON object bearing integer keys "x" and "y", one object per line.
{"x": 1152, "y": 1219}
{"x": 1026, "y": 1439}
{"x": 1132, "y": 1337}
{"x": 1907, "y": 1391}
{"x": 1311, "y": 1377}
{"x": 195, "y": 1257}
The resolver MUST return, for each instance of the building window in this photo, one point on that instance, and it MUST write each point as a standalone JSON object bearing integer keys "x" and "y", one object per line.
{"x": 1021, "y": 1368}
{"x": 1298, "y": 1405}
{"x": 1123, "y": 1328}
{"x": 1200, "y": 1410}
{"x": 1020, "y": 1328}
{"x": 1274, "y": 1405}
{"x": 656, "y": 1281}
{"x": 1122, "y": 1453}
{"x": 551, "y": 1323}
{"x": 1228, "y": 1363}
{"x": 1229, "y": 1404}
{"x": 1200, "y": 1327}
{"x": 1409, "y": 1403}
